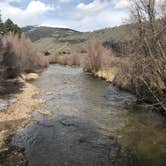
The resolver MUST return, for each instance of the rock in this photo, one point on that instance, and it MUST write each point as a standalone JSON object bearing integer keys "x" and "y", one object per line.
{"x": 3, "y": 134}
{"x": 67, "y": 122}
{"x": 32, "y": 76}
{"x": 48, "y": 93}
{"x": 23, "y": 76}
{"x": 44, "y": 112}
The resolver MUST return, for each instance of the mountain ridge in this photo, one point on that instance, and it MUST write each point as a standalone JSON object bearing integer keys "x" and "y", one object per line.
{"x": 53, "y": 39}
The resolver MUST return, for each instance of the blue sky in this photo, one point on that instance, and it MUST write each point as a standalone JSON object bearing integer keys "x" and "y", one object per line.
{"x": 83, "y": 15}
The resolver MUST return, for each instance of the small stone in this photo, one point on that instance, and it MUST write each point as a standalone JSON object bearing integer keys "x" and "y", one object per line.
{"x": 44, "y": 112}
{"x": 48, "y": 93}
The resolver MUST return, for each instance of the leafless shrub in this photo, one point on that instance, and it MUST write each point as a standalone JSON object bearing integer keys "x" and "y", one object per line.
{"x": 53, "y": 59}
{"x": 123, "y": 77}
{"x": 74, "y": 60}
{"x": 67, "y": 59}
{"x": 148, "y": 69}
{"x": 20, "y": 56}
{"x": 97, "y": 57}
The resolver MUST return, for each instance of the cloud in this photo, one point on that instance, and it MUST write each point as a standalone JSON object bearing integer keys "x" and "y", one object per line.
{"x": 100, "y": 20}
{"x": 36, "y": 8}
{"x": 80, "y": 16}
{"x": 122, "y": 4}
{"x": 88, "y": 17}
{"x": 95, "y": 5}
{"x": 96, "y": 14}
{"x": 55, "y": 23}
{"x": 30, "y": 14}
{"x": 65, "y": 1}
{"x": 13, "y": 0}
{"x": 91, "y": 9}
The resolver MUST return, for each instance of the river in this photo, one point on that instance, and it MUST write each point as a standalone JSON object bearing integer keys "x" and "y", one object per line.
{"x": 92, "y": 124}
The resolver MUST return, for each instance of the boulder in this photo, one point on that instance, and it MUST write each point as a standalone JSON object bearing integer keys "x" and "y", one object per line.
{"x": 23, "y": 76}
{"x": 44, "y": 112}
{"x": 32, "y": 76}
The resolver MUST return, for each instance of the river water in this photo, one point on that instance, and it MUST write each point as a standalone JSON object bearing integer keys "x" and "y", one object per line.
{"x": 92, "y": 124}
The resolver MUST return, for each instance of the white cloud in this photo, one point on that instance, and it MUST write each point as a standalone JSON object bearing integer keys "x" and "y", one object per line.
{"x": 92, "y": 16}
{"x": 95, "y": 5}
{"x": 92, "y": 9}
{"x": 54, "y": 23}
{"x": 122, "y": 4}
{"x": 36, "y": 8}
{"x": 30, "y": 14}
{"x": 100, "y": 14}
{"x": 100, "y": 20}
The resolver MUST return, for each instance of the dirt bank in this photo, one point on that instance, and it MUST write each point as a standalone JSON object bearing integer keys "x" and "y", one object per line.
{"x": 16, "y": 115}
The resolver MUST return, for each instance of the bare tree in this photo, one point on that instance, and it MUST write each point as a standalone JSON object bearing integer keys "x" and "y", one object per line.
{"x": 149, "y": 59}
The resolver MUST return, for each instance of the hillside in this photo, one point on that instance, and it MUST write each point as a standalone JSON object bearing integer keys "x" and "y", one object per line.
{"x": 56, "y": 40}
{"x": 36, "y": 33}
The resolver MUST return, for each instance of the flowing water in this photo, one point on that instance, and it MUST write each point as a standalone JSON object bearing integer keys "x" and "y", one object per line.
{"x": 92, "y": 124}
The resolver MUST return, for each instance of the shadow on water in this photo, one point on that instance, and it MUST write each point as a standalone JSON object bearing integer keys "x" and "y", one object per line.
{"x": 71, "y": 141}
{"x": 7, "y": 89}
{"x": 10, "y": 87}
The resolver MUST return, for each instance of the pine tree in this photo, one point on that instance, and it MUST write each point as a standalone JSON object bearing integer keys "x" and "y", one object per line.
{"x": 1, "y": 26}
{"x": 9, "y": 26}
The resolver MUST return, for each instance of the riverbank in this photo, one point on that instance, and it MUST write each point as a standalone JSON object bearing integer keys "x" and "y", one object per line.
{"x": 111, "y": 75}
{"x": 18, "y": 114}
{"x": 123, "y": 80}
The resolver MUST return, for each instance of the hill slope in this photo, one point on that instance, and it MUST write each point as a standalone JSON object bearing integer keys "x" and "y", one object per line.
{"x": 55, "y": 40}
{"x": 36, "y": 33}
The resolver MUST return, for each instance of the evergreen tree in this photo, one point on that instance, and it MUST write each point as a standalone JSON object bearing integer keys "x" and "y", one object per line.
{"x": 1, "y": 26}
{"x": 9, "y": 26}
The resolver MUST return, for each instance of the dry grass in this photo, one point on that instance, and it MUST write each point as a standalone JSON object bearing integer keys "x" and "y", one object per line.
{"x": 123, "y": 76}
{"x": 66, "y": 59}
